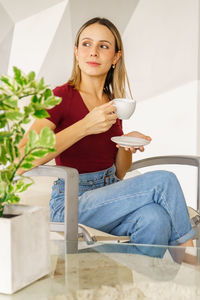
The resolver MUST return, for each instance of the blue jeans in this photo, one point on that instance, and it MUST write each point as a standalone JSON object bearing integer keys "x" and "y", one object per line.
{"x": 150, "y": 208}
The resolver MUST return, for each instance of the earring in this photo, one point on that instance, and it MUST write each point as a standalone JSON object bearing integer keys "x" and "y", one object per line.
{"x": 113, "y": 66}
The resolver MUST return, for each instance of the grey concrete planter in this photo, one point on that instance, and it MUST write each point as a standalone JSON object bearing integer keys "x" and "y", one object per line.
{"x": 24, "y": 247}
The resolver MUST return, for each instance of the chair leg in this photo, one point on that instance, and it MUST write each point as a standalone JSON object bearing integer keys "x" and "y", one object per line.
{"x": 198, "y": 248}
{"x": 71, "y": 211}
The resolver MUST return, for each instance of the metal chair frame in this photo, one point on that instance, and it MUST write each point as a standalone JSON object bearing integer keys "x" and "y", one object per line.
{"x": 72, "y": 230}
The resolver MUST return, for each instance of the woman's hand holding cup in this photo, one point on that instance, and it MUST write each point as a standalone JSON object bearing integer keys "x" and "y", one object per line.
{"x": 100, "y": 119}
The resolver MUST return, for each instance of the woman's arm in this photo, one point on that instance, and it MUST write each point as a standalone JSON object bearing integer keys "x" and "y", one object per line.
{"x": 123, "y": 162}
{"x": 70, "y": 136}
{"x": 124, "y": 155}
{"x": 100, "y": 119}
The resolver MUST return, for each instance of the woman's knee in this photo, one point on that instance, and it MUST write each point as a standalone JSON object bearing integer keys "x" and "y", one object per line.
{"x": 166, "y": 176}
{"x": 161, "y": 180}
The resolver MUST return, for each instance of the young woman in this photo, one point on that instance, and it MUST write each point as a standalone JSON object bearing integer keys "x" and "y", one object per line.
{"x": 149, "y": 208}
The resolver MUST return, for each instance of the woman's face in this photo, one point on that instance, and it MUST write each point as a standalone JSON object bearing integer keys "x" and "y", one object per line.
{"x": 96, "y": 50}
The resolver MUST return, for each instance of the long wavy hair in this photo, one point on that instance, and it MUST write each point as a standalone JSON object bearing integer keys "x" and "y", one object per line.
{"x": 116, "y": 79}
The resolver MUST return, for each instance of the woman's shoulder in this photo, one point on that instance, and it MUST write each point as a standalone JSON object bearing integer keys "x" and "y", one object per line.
{"x": 64, "y": 90}
{"x": 60, "y": 111}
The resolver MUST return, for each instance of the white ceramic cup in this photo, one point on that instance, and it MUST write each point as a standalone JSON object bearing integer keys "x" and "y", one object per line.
{"x": 125, "y": 107}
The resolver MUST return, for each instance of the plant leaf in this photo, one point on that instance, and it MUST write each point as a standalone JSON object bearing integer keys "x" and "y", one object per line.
{"x": 3, "y": 158}
{"x": 27, "y": 165}
{"x": 29, "y": 158}
{"x": 28, "y": 109}
{"x": 52, "y": 101}
{"x": 14, "y": 116}
{"x": 33, "y": 138}
{"x": 12, "y": 91}
{"x": 41, "y": 84}
{"x": 11, "y": 101}
{"x": 41, "y": 113}
{"x": 31, "y": 76}
{"x": 19, "y": 184}
{"x": 12, "y": 198}
{"x": 25, "y": 187}
{"x": 10, "y": 149}
{"x": 47, "y": 138}
{"x": 18, "y": 75}
{"x": 6, "y": 80}
{"x": 3, "y": 121}
{"x": 4, "y": 135}
{"x": 47, "y": 93}
{"x": 39, "y": 153}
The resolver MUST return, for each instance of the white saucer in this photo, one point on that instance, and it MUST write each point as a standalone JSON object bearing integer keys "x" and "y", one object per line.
{"x": 128, "y": 141}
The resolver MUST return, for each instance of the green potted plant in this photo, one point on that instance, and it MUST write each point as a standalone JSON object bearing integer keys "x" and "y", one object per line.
{"x": 13, "y": 227}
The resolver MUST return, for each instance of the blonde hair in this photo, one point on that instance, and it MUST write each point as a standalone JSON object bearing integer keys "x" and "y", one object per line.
{"x": 116, "y": 78}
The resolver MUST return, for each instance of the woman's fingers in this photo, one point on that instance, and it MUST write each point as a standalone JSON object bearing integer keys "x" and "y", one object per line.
{"x": 101, "y": 118}
{"x": 141, "y": 148}
{"x": 138, "y": 135}
{"x": 109, "y": 110}
{"x": 112, "y": 117}
{"x": 132, "y": 149}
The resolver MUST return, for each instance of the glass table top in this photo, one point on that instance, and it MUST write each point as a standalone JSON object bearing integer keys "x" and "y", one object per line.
{"x": 113, "y": 271}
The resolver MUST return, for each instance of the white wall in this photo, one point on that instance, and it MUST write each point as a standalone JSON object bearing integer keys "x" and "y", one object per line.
{"x": 161, "y": 42}
{"x": 31, "y": 41}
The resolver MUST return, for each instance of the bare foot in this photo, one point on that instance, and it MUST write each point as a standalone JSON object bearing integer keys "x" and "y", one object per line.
{"x": 190, "y": 259}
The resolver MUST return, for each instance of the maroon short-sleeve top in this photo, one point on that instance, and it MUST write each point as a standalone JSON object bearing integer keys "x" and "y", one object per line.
{"x": 92, "y": 153}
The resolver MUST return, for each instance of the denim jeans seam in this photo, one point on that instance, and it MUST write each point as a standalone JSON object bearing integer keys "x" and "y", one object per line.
{"x": 163, "y": 198}
{"x": 110, "y": 202}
